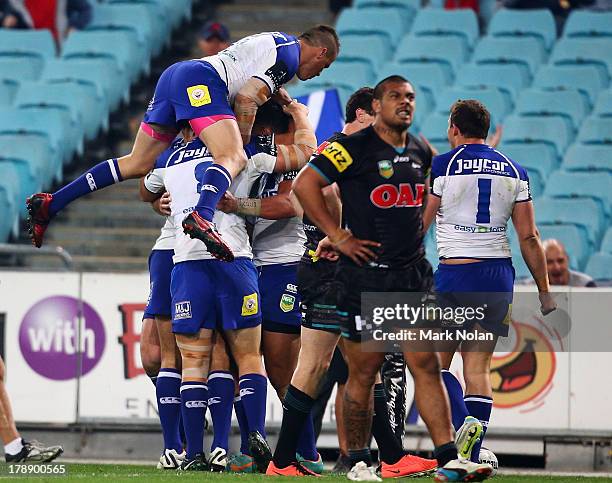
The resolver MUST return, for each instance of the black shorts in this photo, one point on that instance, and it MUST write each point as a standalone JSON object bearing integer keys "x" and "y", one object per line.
{"x": 353, "y": 280}
{"x": 316, "y": 284}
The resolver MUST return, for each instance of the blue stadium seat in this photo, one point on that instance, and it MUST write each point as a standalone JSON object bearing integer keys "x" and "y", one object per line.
{"x": 37, "y": 43}
{"x": 36, "y": 149}
{"x": 603, "y": 106}
{"x": 585, "y": 79}
{"x": 375, "y": 51}
{"x": 349, "y": 75}
{"x": 491, "y": 97}
{"x": 564, "y": 184}
{"x": 384, "y": 22}
{"x": 7, "y": 93}
{"x": 573, "y": 238}
{"x": 588, "y": 157}
{"x": 524, "y": 23}
{"x": 533, "y": 157}
{"x": 28, "y": 181}
{"x": 555, "y": 211}
{"x": 462, "y": 24}
{"x": 53, "y": 124}
{"x": 596, "y": 52}
{"x": 431, "y": 78}
{"x": 20, "y": 68}
{"x": 606, "y": 243}
{"x": 551, "y": 131}
{"x": 122, "y": 45}
{"x": 431, "y": 50}
{"x": 568, "y": 105}
{"x": 9, "y": 196}
{"x": 431, "y": 250}
{"x": 101, "y": 73}
{"x": 508, "y": 78}
{"x": 596, "y": 130}
{"x": 174, "y": 10}
{"x": 600, "y": 266}
{"x": 411, "y": 6}
{"x": 134, "y": 17}
{"x": 90, "y": 111}
{"x": 434, "y": 128}
{"x": 582, "y": 23}
{"x": 525, "y": 52}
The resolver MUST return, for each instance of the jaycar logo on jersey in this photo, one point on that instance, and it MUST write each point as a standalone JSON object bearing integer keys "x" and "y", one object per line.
{"x": 389, "y": 196}
{"x": 182, "y": 310}
{"x": 198, "y": 95}
{"x": 480, "y": 165}
{"x": 339, "y": 156}
{"x": 58, "y": 332}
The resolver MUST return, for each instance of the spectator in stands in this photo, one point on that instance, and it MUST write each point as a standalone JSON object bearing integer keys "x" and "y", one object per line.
{"x": 13, "y": 15}
{"x": 213, "y": 38}
{"x": 557, "y": 261}
{"x": 337, "y": 5}
{"x": 559, "y": 8}
{"x": 59, "y": 16}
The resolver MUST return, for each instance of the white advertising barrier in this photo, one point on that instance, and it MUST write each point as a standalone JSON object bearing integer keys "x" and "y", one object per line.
{"x": 48, "y": 316}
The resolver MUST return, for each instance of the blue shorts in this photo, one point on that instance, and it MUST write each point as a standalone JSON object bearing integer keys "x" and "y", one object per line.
{"x": 211, "y": 294}
{"x": 160, "y": 271}
{"x": 488, "y": 283}
{"x": 188, "y": 90}
{"x": 280, "y": 302}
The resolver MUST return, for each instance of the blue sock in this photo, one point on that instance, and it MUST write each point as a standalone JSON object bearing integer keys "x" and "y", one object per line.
{"x": 243, "y": 424}
{"x": 253, "y": 392}
{"x": 100, "y": 176}
{"x": 215, "y": 182}
{"x": 194, "y": 396}
{"x": 307, "y": 444}
{"x": 455, "y": 394}
{"x": 168, "y": 390}
{"x": 479, "y": 407}
{"x": 220, "y": 398}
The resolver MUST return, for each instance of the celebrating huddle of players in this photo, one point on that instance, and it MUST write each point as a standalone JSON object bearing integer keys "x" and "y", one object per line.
{"x": 269, "y": 243}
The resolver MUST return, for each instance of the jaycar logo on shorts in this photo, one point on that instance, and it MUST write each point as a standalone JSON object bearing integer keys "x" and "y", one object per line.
{"x": 249, "y": 305}
{"x": 57, "y": 332}
{"x": 182, "y": 310}
{"x": 198, "y": 95}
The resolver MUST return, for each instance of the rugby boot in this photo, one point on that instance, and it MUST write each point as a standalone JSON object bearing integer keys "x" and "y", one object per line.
{"x": 34, "y": 452}
{"x": 198, "y": 463}
{"x": 260, "y": 451}
{"x": 408, "y": 465}
{"x": 241, "y": 463}
{"x": 170, "y": 459}
{"x": 38, "y": 216}
{"x": 217, "y": 460}
{"x": 463, "y": 470}
{"x": 294, "y": 469}
{"x": 197, "y": 227}
{"x": 315, "y": 466}
{"x": 467, "y": 436}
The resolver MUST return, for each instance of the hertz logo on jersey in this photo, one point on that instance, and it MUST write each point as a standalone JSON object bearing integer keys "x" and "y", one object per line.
{"x": 338, "y": 155}
{"x": 389, "y": 196}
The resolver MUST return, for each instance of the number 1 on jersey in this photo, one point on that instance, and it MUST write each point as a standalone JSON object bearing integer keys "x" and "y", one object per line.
{"x": 483, "y": 215}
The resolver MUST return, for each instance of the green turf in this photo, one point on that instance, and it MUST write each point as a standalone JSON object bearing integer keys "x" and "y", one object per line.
{"x": 121, "y": 473}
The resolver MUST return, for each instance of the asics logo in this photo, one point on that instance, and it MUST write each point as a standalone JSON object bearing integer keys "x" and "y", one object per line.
{"x": 91, "y": 182}
{"x": 247, "y": 391}
{"x": 195, "y": 404}
{"x": 170, "y": 400}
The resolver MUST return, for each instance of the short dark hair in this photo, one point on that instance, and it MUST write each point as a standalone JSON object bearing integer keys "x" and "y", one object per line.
{"x": 270, "y": 114}
{"x": 379, "y": 89}
{"x": 471, "y": 117}
{"x": 360, "y": 99}
{"x": 323, "y": 36}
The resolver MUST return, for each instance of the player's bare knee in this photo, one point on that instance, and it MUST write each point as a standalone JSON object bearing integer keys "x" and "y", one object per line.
{"x": 234, "y": 161}
{"x": 426, "y": 364}
{"x": 2, "y": 371}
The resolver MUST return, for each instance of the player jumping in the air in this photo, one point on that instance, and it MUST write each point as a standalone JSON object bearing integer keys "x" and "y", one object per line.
{"x": 200, "y": 93}
{"x": 475, "y": 191}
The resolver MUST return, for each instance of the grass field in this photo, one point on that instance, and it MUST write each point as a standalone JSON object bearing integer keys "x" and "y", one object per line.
{"x": 121, "y": 473}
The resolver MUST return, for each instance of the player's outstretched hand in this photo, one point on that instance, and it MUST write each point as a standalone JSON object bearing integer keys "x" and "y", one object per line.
{"x": 356, "y": 249}
{"x": 228, "y": 203}
{"x": 547, "y": 303}
{"x": 282, "y": 97}
{"x": 326, "y": 250}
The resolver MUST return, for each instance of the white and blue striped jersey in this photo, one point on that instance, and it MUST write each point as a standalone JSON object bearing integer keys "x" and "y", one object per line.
{"x": 179, "y": 171}
{"x": 273, "y": 57}
{"x": 478, "y": 187}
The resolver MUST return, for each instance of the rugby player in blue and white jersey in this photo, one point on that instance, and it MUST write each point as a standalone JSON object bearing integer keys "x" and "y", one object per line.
{"x": 201, "y": 93}
{"x": 475, "y": 191}
{"x": 208, "y": 294}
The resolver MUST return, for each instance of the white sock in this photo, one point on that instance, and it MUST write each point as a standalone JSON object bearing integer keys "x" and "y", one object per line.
{"x": 14, "y": 446}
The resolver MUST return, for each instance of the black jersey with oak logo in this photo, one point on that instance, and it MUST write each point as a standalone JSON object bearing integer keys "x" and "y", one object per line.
{"x": 382, "y": 191}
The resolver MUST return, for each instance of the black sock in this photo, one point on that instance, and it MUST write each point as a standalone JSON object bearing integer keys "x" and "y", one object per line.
{"x": 389, "y": 448}
{"x": 153, "y": 380}
{"x": 296, "y": 410}
{"x": 357, "y": 455}
{"x": 445, "y": 453}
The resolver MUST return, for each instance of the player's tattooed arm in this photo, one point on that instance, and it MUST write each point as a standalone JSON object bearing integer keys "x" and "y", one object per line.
{"x": 295, "y": 156}
{"x": 252, "y": 95}
{"x": 271, "y": 208}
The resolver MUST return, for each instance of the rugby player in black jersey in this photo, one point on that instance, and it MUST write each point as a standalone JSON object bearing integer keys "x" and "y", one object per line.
{"x": 382, "y": 174}
{"x": 321, "y": 332}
